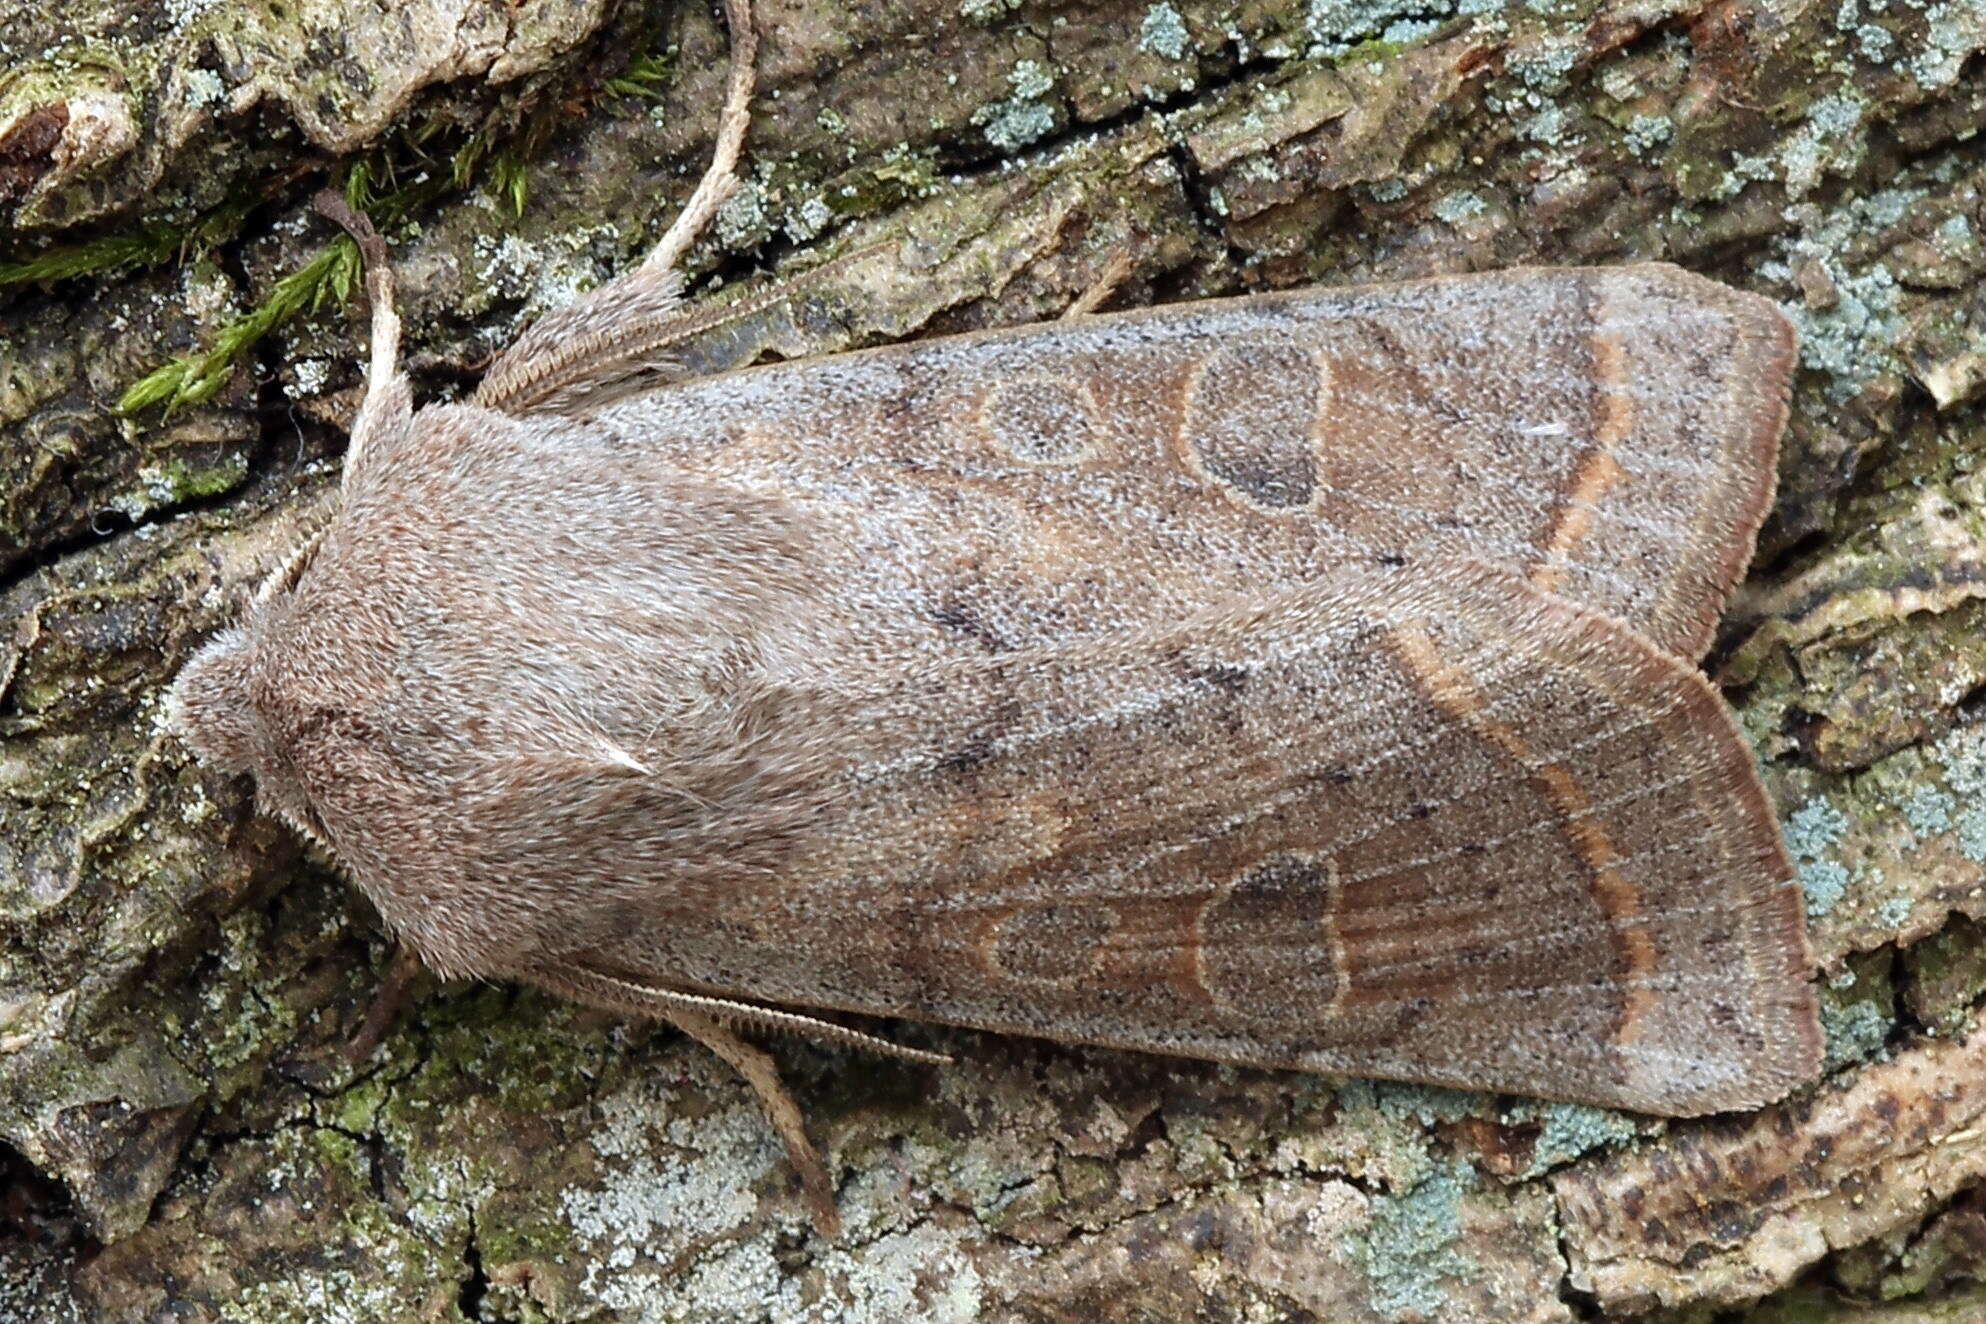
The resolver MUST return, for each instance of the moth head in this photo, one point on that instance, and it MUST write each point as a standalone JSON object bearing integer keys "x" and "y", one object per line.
{"x": 220, "y": 702}
{"x": 212, "y": 704}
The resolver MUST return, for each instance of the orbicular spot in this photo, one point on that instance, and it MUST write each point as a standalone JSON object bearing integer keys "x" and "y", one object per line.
{"x": 1050, "y": 944}
{"x": 1040, "y": 421}
{"x": 1268, "y": 947}
{"x": 1249, "y": 422}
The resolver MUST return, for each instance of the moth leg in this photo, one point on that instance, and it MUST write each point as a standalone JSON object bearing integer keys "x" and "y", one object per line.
{"x": 1116, "y": 270}
{"x": 387, "y": 1003}
{"x": 762, "y": 1075}
{"x": 388, "y": 409}
{"x": 629, "y": 325}
{"x": 699, "y": 1017}
{"x": 719, "y": 177}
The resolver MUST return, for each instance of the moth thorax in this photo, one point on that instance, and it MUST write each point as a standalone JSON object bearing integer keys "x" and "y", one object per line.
{"x": 210, "y": 707}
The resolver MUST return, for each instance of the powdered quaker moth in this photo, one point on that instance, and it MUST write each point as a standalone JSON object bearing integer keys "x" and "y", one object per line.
{"x": 1301, "y": 680}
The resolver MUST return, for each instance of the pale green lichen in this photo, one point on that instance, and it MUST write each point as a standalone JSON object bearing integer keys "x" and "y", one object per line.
{"x": 1335, "y": 27}
{"x": 1823, "y": 883}
{"x": 1545, "y": 68}
{"x": 1954, "y": 30}
{"x": 1928, "y": 810}
{"x": 1972, "y": 834}
{"x": 1461, "y": 205}
{"x": 1426, "y": 1104}
{"x": 985, "y": 13}
{"x": 1815, "y": 828}
{"x": 1572, "y": 1129}
{"x": 1646, "y": 132}
{"x": 1547, "y": 126}
{"x": 1163, "y": 32}
{"x": 1855, "y": 1032}
{"x": 1852, "y": 339}
{"x": 740, "y": 218}
{"x": 1831, "y": 139}
{"x": 1405, "y": 31}
{"x": 1962, "y": 753}
{"x": 1408, "y": 1247}
{"x": 1022, "y": 118}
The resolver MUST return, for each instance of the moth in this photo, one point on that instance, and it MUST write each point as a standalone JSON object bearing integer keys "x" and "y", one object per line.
{"x": 1301, "y": 680}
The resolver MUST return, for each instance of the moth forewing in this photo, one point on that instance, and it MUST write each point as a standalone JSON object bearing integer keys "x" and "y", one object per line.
{"x": 1609, "y": 433}
{"x": 1429, "y": 824}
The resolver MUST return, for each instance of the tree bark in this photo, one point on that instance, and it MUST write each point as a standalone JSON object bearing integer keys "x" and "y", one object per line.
{"x": 185, "y": 1140}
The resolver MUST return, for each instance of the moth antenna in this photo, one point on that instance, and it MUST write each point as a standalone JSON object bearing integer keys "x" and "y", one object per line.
{"x": 1117, "y": 269}
{"x": 719, "y": 178}
{"x": 388, "y": 405}
{"x": 609, "y": 991}
{"x": 285, "y": 575}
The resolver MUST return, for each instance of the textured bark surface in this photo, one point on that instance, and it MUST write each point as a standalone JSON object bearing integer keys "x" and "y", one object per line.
{"x": 181, "y": 1138}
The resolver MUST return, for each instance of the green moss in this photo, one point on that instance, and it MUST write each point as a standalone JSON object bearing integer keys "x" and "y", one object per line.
{"x": 148, "y": 246}
{"x": 643, "y": 78}
{"x": 194, "y": 378}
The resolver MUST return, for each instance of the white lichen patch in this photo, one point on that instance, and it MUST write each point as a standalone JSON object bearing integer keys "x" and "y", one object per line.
{"x": 309, "y": 376}
{"x": 673, "y": 1187}
{"x": 666, "y": 1180}
{"x": 548, "y": 274}
{"x": 1459, "y": 206}
{"x": 1163, "y": 32}
{"x": 1336, "y": 26}
{"x": 807, "y": 220}
{"x": 209, "y": 295}
{"x": 1023, "y": 117}
{"x": 205, "y": 88}
{"x": 741, "y": 217}
{"x": 1852, "y": 339}
{"x": 1812, "y": 834}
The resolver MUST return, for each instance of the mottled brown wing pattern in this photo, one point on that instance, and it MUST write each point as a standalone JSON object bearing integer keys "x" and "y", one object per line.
{"x": 1434, "y": 826}
{"x": 1609, "y": 433}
